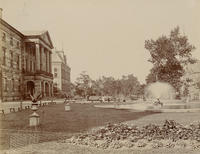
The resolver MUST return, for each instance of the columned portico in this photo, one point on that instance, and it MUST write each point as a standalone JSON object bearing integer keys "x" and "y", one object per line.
{"x": 41, "y": 60}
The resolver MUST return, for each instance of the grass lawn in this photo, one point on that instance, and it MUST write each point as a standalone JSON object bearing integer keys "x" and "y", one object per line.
{"x": 82, "y": 117}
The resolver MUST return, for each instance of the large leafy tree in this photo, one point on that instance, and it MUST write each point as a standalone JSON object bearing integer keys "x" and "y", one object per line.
{"x": 109, "y": 85}
{"x": 130, "y": 85}
{"x": 169, "y": 55}
{"x": 83, "y": 84}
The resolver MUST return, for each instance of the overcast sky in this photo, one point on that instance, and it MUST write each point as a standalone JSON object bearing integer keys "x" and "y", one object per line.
{"x": 106, "y": 37}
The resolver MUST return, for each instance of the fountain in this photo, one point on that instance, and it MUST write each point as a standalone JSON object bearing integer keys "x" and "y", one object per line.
{"x": 159, "y": 96}
{"x": 159, "y": 90}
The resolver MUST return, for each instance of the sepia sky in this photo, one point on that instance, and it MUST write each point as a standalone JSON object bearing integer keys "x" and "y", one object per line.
{"x": 106, "y": 37}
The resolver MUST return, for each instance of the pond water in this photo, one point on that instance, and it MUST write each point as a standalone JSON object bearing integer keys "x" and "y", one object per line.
{"x": 181, "y": 106}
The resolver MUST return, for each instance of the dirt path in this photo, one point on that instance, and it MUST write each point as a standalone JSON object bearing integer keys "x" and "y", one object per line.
{"x": 159, "y": 118}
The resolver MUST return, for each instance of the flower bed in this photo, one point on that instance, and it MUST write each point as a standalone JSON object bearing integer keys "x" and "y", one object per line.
{"x": 171, "y": 134}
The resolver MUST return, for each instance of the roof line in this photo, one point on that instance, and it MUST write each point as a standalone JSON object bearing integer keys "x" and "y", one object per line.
{"x": 11, "y": 27}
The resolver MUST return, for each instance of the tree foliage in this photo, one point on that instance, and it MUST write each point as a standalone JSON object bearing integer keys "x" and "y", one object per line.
{"x": 126, "y": 86}
{"x": 169, "y": 55}
{"x": 82, "y": 84}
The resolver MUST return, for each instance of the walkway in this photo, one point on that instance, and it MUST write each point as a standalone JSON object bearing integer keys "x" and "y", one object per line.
{"x": 8, "y": 107}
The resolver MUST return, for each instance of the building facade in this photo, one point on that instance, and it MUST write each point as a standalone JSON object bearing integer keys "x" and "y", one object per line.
{"x": 61, "y": 73}
{"x": 25, "y": 63}
{"x": 10, "y": 61}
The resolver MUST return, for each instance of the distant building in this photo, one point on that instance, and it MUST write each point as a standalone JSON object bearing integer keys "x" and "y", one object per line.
{"x": 192, "y": 78}
{"x": 25, "y": 63}
{"x": 61, "y": 73}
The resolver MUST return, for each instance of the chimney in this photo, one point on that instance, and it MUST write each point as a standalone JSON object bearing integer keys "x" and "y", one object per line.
{"x": 1, "y": 10}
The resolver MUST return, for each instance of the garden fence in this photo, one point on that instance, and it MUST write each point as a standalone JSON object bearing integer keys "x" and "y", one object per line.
{"x": 10, "y": 139}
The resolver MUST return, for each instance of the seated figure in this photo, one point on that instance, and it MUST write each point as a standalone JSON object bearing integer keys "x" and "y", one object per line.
{"x": 158, "y": 102}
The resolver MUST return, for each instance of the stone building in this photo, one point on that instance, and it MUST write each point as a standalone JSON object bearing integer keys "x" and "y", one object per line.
{"x": 61, "y": 72}
{"x": 11, "y": 42}
{"x": 25, "y": 63}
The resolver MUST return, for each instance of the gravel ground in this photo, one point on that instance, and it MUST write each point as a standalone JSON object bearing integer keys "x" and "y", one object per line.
{"x": 65, "y": 148}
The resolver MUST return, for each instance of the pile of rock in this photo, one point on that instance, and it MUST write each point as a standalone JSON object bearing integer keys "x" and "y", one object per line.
{"x": 169, "y": 135}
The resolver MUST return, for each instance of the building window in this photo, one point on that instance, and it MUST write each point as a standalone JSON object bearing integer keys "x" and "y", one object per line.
{"x": 18, "y": 45}
{"x": 11, "y": 41}
{"x": 30, "y": 66}
{"x": 55, "y": 70}
{"x": 33, "y": 66}
{"x": 19, "y": 85}
{"x": 4, "y": 56}
{"x": 26, "y": 65}
{"x": 4, "y": 37}
{"x": 11, "y": 59}
{"x": 17, "y": 61}
{"x": 13, "y": 85}
{"x": 22, "y": 46}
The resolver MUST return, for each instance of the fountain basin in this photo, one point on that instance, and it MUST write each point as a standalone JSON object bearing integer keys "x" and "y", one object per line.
{"x": 169, "y": 107}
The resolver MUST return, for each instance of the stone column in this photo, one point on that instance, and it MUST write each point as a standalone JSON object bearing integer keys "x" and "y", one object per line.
{"x": 37, "y": 50}
{"x": 42, "y": 59}
{"x": 47, "y": 60}
{"x": 38, "y": 86}
{"x": 52, "y": 89}
{"x": 42, "y": 88}
{"x": 49, "y": 89}
{"x": 50, "y": 63}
